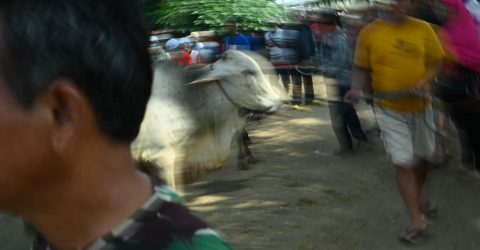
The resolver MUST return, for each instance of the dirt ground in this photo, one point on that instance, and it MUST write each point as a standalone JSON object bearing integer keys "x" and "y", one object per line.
{"x": 300, "y": 196}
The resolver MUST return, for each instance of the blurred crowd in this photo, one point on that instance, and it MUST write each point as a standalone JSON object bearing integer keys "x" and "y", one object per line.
{"x": 77, "y": 81}
{"x": 416, "y": 63}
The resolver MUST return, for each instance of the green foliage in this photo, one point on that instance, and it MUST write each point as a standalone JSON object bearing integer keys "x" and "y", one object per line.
{"x": 189, "y": 15}
{"x": 149, "y": 8}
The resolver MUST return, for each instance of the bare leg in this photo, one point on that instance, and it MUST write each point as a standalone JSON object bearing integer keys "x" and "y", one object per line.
{"x": 409, "y": 189}
{"x": 421, "y": 175}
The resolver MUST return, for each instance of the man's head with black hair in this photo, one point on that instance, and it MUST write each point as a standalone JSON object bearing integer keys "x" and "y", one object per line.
{"x": 101, "y": 46}
{"x": 75, "y": 79}
{"x": 232, "y": 23}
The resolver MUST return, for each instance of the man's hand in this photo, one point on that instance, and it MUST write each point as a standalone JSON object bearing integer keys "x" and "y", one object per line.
{"x": 422, "y": 86}
{"x": 353, "y": 96}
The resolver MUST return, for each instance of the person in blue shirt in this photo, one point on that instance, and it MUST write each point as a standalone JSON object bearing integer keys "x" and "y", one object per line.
{"x": 235, "y": 40}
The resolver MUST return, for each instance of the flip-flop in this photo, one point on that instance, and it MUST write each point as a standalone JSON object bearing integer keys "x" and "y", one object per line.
{"x": 412, "y": 235}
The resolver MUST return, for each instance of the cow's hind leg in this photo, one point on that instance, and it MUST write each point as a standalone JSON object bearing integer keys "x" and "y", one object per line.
{"x": 245, "y": 156}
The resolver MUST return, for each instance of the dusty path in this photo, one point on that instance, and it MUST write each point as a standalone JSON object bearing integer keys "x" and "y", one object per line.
{"x": 300, "y": 196}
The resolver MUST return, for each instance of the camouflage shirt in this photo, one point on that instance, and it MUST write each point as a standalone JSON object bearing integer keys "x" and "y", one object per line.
{"x": 161, "y": 223}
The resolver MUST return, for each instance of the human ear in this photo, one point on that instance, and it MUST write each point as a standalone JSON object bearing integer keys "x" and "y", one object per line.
{"x": 65, "y": 104}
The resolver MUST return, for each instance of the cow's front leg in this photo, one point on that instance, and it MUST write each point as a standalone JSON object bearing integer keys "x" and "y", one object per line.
{"x": 243, "y": 152}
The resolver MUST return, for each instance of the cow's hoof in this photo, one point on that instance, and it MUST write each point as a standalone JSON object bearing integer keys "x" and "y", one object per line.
{"x": 243, "y": 165}
{"x": 252, "y": 160}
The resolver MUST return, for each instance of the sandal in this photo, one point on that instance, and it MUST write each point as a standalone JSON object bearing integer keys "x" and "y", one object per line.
{"x": 412, "y": 235}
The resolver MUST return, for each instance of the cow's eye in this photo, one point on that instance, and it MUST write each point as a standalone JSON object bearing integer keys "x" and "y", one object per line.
{"x": 248, "y": 72}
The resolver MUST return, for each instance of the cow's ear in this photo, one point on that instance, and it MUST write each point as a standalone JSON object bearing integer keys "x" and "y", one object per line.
{"x": 209, "y": 77}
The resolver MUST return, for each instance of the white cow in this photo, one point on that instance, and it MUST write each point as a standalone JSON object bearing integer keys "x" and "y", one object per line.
{"x": 193, "y": 114}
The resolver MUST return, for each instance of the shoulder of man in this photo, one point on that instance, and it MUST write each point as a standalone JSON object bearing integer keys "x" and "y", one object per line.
{"x": 189, "y": 232}
{"x": 166, "y": 223}
{"x": 161, "y": 223}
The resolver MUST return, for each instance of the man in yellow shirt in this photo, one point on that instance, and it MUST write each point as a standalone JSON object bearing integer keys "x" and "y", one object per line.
{"x": 401, "y": 54}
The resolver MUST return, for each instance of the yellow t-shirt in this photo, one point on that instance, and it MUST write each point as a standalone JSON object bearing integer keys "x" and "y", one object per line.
{"x": 397, "y": 56}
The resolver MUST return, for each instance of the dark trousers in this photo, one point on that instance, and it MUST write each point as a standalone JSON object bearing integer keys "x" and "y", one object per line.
{"x": 308, "y": 88}
{"x": 297, "y": 78}
{"x": 460, "y": 90}
{"x": 466, "y": 116}
{"x": 285, "y": 76}
{"x": 345, "y": 121}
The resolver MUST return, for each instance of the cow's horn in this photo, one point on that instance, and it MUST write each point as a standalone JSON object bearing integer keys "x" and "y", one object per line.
{"x": 209, "y": 77}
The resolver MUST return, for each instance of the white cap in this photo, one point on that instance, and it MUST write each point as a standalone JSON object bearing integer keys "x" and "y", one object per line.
{"x": 194, "y": 35}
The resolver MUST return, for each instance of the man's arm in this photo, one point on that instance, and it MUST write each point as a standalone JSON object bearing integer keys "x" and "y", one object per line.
{"x": 361, "y": 77}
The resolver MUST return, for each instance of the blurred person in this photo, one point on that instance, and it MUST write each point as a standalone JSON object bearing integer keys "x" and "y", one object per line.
{"x": 353, "y": 24}
{"x": 316, "y": 28}
{"x": 459, "y": 83}
{"x": 290, "y": 46}
{"x": 211, "y": 49}
{"x": 307, "y": 47}
{"x": 195, "y": 39}
{"x": 423, "y": 10}
{"x": 256, "y": 40}
{"x": 235, "y": 40}
{"x": 73, "y": 95}
{"x": 282, "y": 53}
{"x": 178, "y": 51}
{"x": 335, "y": 62}
{"x": 185, "y": 44}
{"x": 156, "y": 47}
{"x": 402, "y": 54}
{"x": 195, "y": 47}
